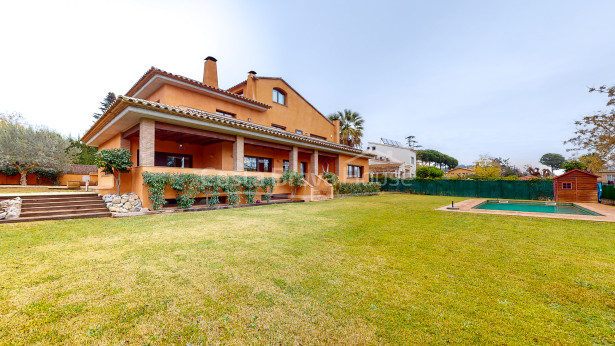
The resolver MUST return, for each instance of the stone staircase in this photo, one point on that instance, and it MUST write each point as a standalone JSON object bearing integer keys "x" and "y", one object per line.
{"x": 320, "y": 195}
{"x": 59, "y": 207}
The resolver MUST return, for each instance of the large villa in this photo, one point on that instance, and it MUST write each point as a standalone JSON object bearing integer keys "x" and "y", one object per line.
{"x": 261, "y": 126}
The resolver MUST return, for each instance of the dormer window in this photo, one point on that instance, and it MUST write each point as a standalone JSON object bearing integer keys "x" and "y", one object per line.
{"x": 279, "y": 96}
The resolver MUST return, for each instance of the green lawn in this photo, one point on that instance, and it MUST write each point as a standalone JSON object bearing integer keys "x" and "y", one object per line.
{"x": 386, "y": 269}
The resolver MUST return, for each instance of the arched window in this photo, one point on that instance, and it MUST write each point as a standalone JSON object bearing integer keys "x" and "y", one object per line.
{"x": 279, "y": 96}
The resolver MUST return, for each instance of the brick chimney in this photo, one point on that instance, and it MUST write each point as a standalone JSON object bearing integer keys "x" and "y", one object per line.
{"x": 210, "y": 72}
{"x": 250, "y": 91}
{"x": 336, "y": 135}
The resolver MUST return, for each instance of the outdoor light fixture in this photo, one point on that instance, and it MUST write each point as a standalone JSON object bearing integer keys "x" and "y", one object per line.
{"x": 181, "y": 145}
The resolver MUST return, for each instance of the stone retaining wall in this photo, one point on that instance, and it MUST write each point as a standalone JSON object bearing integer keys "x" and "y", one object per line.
{"x": 126, "y": 203}
{"x": 10, "y": 209}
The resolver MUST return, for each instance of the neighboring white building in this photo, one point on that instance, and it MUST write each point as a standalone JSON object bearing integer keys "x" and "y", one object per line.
{"x": 392, "y": 158}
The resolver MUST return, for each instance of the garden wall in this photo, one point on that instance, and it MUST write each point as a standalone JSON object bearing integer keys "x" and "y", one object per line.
{"x": 75, "y": 173}
{"x": 503, "y": 189}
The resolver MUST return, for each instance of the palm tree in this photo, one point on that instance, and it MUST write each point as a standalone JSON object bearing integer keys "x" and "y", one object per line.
{"x": 351, "y": 127}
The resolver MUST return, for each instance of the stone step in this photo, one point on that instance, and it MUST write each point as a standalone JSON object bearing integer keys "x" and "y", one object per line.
{"x": 29, "y": 204}
{"x": 60, "y": 206}
{"x": 63, "y": 212}
{"x": 58, "y": 197}
{"x": 54, "y": 195}
{"x": 58, "y": 217}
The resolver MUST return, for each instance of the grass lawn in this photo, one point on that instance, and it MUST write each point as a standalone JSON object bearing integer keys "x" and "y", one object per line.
{"x": 386, "y": 269}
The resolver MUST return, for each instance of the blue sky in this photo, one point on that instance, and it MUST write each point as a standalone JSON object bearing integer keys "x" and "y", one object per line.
{"x": 465, "y": 77}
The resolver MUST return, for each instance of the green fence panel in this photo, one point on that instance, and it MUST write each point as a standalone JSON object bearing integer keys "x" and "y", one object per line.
{"x": 608, "y": 192}
{"x": 503, "y": 189}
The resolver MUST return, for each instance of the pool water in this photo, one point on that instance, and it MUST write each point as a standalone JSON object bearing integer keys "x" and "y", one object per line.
{"x": 536, "y": 207}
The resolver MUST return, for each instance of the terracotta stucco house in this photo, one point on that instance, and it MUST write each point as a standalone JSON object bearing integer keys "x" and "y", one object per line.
{"x": 459, "y": 173}
{"x": 261, "y": 126}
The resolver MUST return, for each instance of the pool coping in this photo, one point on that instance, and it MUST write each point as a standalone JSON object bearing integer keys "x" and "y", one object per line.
{"x": 608, "y": 212}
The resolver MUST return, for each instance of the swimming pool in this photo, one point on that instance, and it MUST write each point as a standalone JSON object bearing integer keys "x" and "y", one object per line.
{"x": 536, "y": 207}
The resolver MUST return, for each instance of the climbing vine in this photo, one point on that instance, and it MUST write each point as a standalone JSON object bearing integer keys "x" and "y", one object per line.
{"x": 231, "y": 187}
{"x": 250, "y": 186}
{"x": 294, "y": 180}
{"x": 267, "y": 184}
{"x": 186, "y": 187}
{"x": 156, "y": 184}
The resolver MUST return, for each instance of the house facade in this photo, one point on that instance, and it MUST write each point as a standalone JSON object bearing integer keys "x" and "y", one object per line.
{"x": 391, "y": 159}
{"x": 459, "y": 173}
{"x": 607, "y": 177}
{"x": 261, "y": 127}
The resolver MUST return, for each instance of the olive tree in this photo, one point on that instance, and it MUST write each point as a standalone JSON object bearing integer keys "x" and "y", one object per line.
{"x": 115, "y": 162}
{"x": 25, "y": 147}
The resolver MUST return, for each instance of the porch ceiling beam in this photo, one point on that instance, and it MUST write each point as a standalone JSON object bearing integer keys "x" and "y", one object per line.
{"x": 259, "y": 143}
{"x": 131, "y": 132}
{"x": 196, "y": 132}
{"x": 320, "y": 153}
{"x": 306, "y": 151}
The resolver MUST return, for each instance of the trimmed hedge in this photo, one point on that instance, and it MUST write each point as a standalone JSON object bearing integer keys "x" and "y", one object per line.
{"x": 357, "y": 189}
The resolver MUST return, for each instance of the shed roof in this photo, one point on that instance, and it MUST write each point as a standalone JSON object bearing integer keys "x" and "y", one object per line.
{"x": 575, "y": 171}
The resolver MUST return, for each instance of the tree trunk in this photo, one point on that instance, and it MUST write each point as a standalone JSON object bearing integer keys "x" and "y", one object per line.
{"x": 118, "y": 182}
{"x": 23, "y": 175}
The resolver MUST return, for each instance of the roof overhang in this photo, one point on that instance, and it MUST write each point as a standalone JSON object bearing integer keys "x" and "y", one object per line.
{"x": 126, "y": 112}
{"x": 157, "y": 81}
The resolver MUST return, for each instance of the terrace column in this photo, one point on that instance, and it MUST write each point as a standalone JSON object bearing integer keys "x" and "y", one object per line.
{"x": 147, "y": 138}
{"x": 238, "y": 154}
{"x": 314, "y": 167}
{"x": 338, "y": 169}
{"x": 293, "y": 159}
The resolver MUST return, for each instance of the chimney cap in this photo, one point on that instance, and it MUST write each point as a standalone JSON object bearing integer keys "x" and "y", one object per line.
{"x": 211, "y": 58}
{"x": 251, "y": 72}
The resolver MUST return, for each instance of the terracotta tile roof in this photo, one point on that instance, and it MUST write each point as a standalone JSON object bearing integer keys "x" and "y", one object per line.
{"x": 237, "y": 85}
{"x": 124, "y": 101}
{"x": 293, "y": 89}
{"x": 574, "y": 171}
{"x": 156, "y": 71}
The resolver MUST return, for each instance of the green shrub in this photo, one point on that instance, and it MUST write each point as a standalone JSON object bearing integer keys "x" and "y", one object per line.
{"x": 331, "y": 178}
{"x": 267, "y": 184}
{"x": 8, "y": 170}
{"x": 294, "y": 180}
{"x": 429, "y": 172}
{"x": 231, "y": 187}
{"x": 574, "y": 164}
{"x": 250, "y": 186}
{"x": 48, "y": 174}
{"x": 357, "y": 189}
{"x": 156, "y": 184}
{"x": 186, "y": 186}
{"x": 115, "y": 162}
{"x": 210, "y": 186}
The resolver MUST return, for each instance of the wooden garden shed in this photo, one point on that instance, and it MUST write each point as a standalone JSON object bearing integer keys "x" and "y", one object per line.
{"x": 576, "y": 186}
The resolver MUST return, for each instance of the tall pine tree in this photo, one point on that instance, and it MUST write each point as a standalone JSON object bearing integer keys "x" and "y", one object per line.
{"x": 105, "y": 104}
